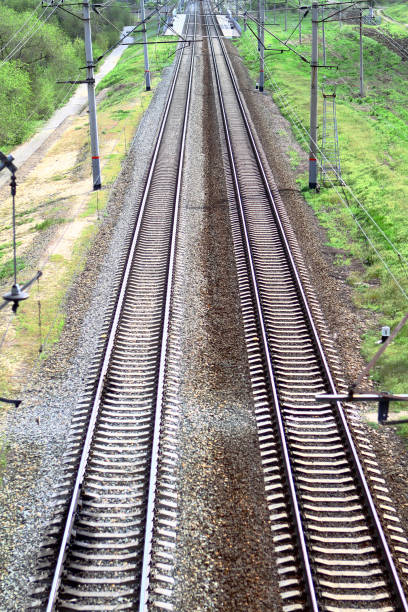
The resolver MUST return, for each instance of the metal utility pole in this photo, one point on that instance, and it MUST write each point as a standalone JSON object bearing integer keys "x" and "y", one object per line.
{"x": 146, "y": 57}
{"x": 361, "y": 56}
{"x": 286, "y": 15}
{"x": 323, "y": 38}
{"x": 259, "y": 25}
{"x": 261, "y": 4}
{"x": 93, "y": 125}
{"x": 313, "y": 99}
{"x": 274, "y": 13}
{"x": 330, "y": 166}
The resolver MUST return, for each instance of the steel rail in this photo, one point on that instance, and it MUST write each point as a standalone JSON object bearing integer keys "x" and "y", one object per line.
{"x": 385, "y": 551}
{"x": 144, "y": 584}
{"x": 54, "y": 589}
{"x": 311, "y": 592}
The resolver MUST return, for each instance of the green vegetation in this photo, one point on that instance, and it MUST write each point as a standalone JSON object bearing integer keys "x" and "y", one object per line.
{"x": 50, "y": 222}
{"x": 398, "y": 11}
{"x": 7, "y": 268}
{"x": 53, "y": 52}
{"x": 373, "y": 136}
{"x": 127, "y": 78}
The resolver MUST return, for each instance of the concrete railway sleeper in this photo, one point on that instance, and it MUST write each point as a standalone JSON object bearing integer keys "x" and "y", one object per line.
{"x": 109, "y": 510}
{"x": 331, "y": 548}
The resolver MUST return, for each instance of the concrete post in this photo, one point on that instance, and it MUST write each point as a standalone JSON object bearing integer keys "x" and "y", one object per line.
{"x": 313, "y": 100}
{"x": 259, "y": 25}
{"x": 323, "y": 38}
{"x": 262, "y": 45}
{"x": 361, "y": 57}
{"x": 146, "y": 56}
{"x": 93, "y": 125}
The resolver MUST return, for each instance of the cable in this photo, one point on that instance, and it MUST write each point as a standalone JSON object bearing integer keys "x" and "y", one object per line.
{"x": 6, "y": 330}
{"x": 392, "y": 42}
{"x": 107, "y": 20}
{"x": 24, "y": 39}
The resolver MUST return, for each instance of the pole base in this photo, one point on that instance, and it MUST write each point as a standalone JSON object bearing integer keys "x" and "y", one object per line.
{"x": 97, "y": 186}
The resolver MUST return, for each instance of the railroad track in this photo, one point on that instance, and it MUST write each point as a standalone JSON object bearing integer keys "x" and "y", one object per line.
{"x": 331, "y": 549}
{"x": 115, "y": 502}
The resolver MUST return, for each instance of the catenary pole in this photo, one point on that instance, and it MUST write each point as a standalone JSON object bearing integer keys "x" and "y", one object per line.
{"x": 145, "y": 53}
{"x": 93, "y": 124}
{"x": 323, "y": 38}
{"x": 313, "y": 100}
{"x": 259, "y": 24}
{"x": 361, "y": 57}
{"x": 262, "y": 45}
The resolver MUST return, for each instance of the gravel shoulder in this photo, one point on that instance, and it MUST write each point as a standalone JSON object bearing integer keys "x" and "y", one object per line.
{"x": 36, "y": 432}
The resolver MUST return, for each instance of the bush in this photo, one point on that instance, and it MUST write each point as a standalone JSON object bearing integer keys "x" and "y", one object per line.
{"x": 29, "y": 91}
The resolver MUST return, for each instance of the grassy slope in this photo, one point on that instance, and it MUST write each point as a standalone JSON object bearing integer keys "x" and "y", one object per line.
{"x": 398, "y": 12}
{"x": 118, "y": 116}
{"x": 373, "y": 135}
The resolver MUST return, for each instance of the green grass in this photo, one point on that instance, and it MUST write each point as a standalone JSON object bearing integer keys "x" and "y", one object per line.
{"x": 7, "y": 269}
{"x": 397, "y": 11}
{"x": 43, "y": 225}
{"x": 127, "y": 79}
{"x": 373, "y": 137}
{"x": 294, "y": 159}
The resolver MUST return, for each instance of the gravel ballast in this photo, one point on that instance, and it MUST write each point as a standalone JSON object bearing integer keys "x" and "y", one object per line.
{"x": 224, "y": 558}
